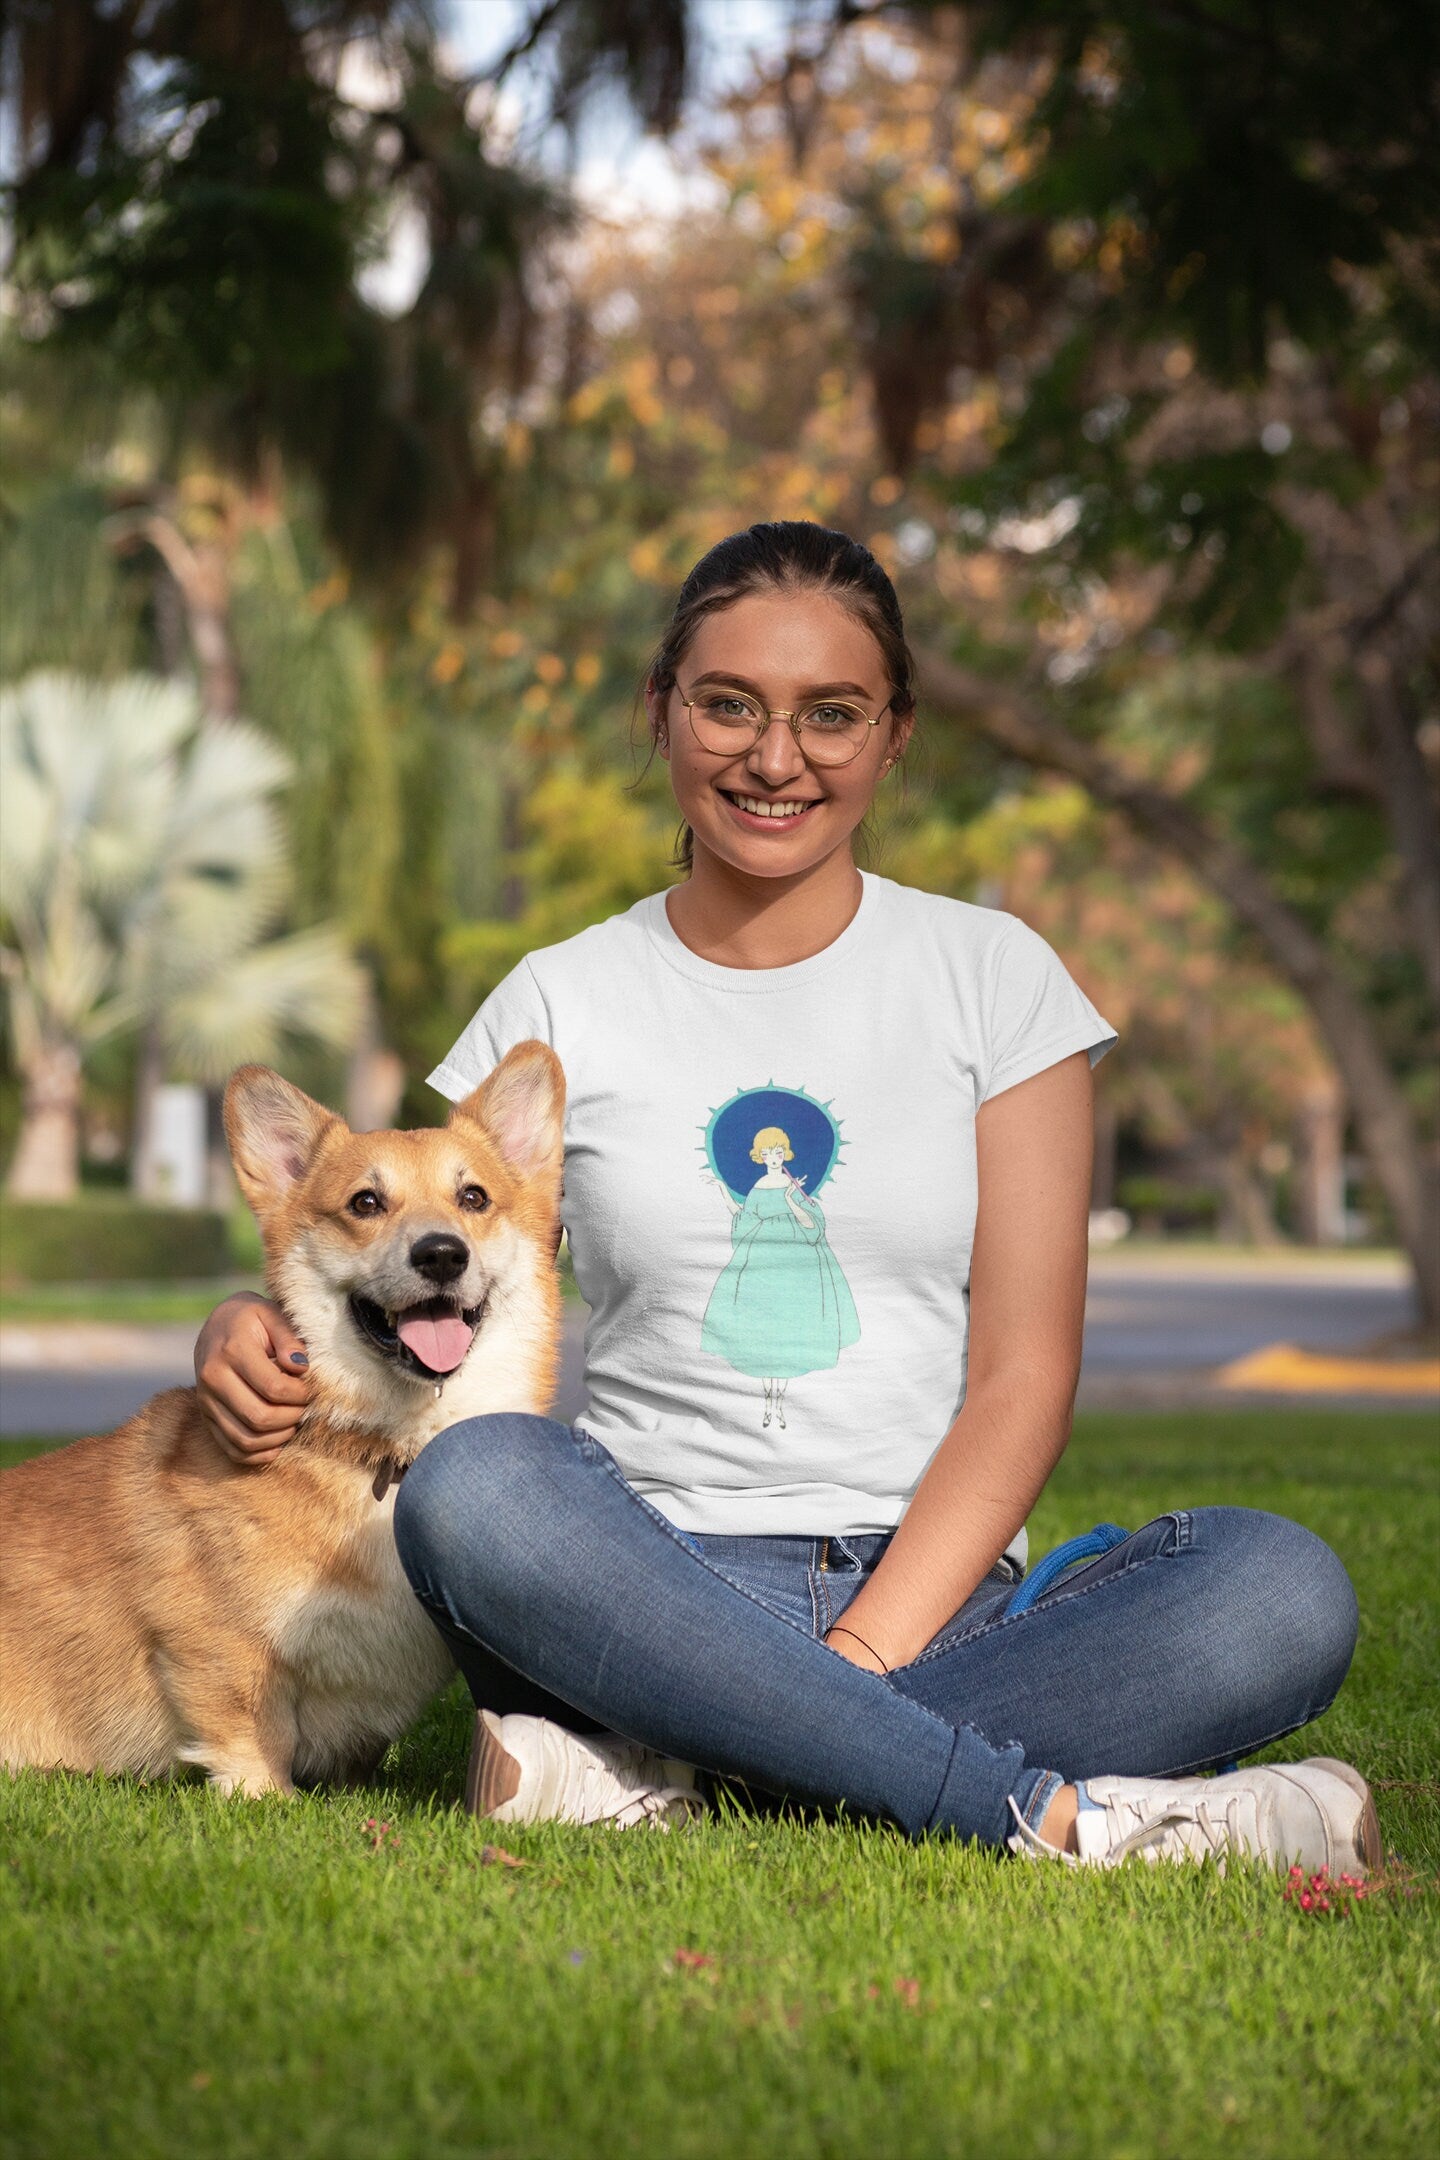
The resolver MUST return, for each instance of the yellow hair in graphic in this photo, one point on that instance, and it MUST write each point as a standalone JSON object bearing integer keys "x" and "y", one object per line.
{"x": 770, "y": 1137}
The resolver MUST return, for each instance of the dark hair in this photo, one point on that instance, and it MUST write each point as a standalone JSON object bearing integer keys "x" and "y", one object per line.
{"x": 791, "y": 555}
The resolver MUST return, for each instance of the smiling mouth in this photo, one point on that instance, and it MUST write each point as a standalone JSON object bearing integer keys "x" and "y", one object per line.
{"x": 774, "y": 810}
{"x": 430, "y": 1340}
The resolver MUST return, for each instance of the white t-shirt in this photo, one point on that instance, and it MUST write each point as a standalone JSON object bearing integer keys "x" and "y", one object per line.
{"x": 718, "y": 1288}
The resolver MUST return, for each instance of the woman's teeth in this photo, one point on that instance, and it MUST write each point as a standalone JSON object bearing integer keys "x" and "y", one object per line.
{"x": 759, "y": 808}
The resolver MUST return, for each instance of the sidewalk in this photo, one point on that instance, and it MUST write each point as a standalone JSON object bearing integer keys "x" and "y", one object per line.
{"x": 96, "y": 1346}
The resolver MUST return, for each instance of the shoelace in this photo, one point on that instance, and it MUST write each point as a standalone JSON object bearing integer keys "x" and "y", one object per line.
{"x": 1217, "y": 1838}
{"x": 622, "y": 1759}
{"x": 659, "y": 1808}
{"x": 1146, "y": 1827}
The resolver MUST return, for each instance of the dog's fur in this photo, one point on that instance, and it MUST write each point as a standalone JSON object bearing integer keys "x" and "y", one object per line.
{"x": 161, "y": 1605}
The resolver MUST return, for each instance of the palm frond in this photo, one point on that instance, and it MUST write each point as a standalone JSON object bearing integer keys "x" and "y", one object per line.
{"x": 144, "y": 861}
{"x": 306, "y": 986}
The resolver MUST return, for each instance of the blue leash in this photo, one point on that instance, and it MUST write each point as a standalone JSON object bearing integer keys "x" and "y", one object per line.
{"x": 1102, "y": 1539}
{"x": 1073, "y": 1553}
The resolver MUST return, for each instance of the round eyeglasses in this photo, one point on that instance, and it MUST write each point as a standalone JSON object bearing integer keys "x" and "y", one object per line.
{"x": 830, "y": 731}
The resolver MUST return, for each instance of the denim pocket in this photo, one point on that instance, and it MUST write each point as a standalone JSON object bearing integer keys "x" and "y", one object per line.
{"x": 1162, "y": 1538}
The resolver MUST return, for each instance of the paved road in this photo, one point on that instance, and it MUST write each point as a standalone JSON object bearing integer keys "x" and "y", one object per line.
{"x": 1153, "y": 1333}
{"x": 68, "y": 1402}
{"x": 1147, "y": 1322}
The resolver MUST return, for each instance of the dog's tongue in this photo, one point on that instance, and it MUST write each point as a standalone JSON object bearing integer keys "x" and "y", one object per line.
{"x": 439, "y": 1342}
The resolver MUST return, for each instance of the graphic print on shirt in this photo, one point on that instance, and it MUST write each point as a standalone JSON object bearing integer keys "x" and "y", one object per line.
{"x": 781, "y": 1306}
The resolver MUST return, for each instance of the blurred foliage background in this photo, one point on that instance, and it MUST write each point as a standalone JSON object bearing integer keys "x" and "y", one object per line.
{"x": 347, "y": 427}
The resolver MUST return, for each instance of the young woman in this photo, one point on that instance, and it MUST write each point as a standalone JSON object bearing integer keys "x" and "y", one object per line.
{"x": 784, "y": 1539}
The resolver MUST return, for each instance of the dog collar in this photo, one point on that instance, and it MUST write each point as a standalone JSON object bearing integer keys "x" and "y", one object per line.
{"x": 389, "y": 1473}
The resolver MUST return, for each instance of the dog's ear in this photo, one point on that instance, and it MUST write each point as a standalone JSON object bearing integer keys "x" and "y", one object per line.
{"x": 273, "y": 1130}
{"x": 522, "y": 1109}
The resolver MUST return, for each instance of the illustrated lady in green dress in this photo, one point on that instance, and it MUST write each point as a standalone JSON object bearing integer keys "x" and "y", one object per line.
{"x": 781, "y": 1305}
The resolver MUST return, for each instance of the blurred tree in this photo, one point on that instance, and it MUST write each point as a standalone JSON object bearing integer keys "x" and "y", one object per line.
{"x": 586, "y": 853}
{"x": 1156, "y": 424}
{"x": 63, "y": 596}
{"x": 202, "y": 191}
{"x": 141, "y": 868}
{"x": 721, "y": 393}
{"x": 1110, "y": 328}
{"x": 1222, "y": 1061}
{"x": 1257, "y": 163}
{"x": 1102, "y": 510}
{"x": 1226, "y": 431}
{"x": 202, "y": 184}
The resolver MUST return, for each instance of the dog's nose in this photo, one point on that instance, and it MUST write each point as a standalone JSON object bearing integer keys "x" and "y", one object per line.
{"x": 440, "y": 1256}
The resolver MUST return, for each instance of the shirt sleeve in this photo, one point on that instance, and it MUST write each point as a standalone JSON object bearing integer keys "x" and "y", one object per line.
{"x": 1038, "y": 1012}
{"x": 514, "y": 1012}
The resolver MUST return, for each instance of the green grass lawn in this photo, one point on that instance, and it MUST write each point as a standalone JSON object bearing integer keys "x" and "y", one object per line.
{"x": 188, "y": 1975}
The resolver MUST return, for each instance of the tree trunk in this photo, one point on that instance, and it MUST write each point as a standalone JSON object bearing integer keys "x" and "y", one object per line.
{"x": 46, "y": 1164}
{"x": 207, "y": 602}
{"x": 145, "y": 1182}
{"x": 1384, "y": 1121}
{"x": 1320, "y": 1168}
{"x": 1410, "y": 804}
{"x": 1246, "y": 1212}
{"x": 201, "y": 573}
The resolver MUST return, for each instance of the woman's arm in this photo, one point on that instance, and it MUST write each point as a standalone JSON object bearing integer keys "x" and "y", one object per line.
{"x": 732, "y": 1204}
{"x": 250, "y": 1378}
{"x": 1034, "y": 1148}
{"x": 805, "y": 1208}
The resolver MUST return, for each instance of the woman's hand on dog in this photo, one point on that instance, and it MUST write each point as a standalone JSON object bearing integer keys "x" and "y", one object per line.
{"x": 250, "y": 1377}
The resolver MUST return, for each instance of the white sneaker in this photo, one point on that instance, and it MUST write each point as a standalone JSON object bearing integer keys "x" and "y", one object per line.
{"x": 1319, "y": 1813}
{"x": 527, "y": 1769}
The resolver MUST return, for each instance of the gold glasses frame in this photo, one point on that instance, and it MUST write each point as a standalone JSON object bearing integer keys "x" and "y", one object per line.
{"x": 793, "y": 718}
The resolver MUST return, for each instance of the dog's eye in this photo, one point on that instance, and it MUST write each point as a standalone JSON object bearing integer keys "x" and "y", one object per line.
{"x": 474, "y": 1197}
{"x": 367, "y": 1203}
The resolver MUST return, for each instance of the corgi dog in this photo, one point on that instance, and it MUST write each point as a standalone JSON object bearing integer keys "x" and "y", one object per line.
{"x": 160, "y": 1604}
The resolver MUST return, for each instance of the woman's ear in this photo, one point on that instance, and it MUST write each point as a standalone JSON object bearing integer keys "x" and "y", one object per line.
{"x": 655, "y": 703}
{"x": 900, "y": 732}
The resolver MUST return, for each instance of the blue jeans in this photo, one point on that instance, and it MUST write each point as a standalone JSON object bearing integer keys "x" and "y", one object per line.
{"x": 564, "y": 1592}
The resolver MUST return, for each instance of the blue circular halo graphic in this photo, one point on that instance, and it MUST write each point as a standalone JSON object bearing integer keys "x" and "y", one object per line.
{"x": 814, "y": 1136}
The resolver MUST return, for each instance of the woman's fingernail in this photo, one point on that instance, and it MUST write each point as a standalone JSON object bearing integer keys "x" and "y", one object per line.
{"x": 298, "y": 1357}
